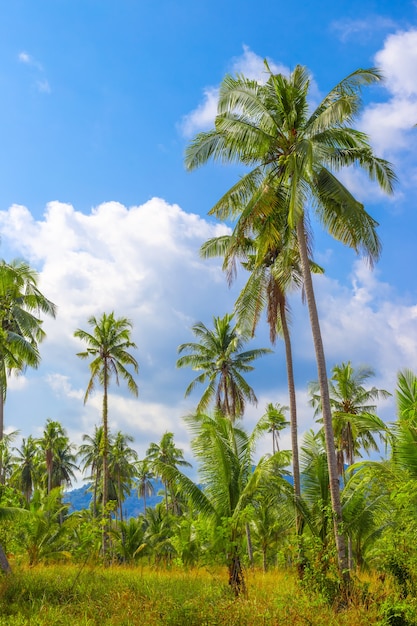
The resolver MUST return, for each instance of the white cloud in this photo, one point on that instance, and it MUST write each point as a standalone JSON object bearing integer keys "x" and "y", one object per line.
{"x": 398, "y": 61}
{"x": 368, "y": 323}
{"x": 61, "y": 386}
{"x": 24, "y": 57}
{"x": 361, "y": 29}
{"x": 390, "y": 123}
{"x": 16, "y": 383}
{"x": 42, "y": 85}
{"x": 250, "y": 65}
{"x": 202, "y": 118}
{"x": 143, "y": 263}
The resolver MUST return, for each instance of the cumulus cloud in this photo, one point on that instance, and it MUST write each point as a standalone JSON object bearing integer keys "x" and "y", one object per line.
{"x": 398, "y": 61}
{"x": 142, "y": 262}
{"x": 390, "y": 123}
{"x": 202, "y": 118}
{"x": 250, "y": 65}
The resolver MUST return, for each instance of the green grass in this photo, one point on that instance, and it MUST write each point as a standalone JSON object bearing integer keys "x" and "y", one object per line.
{"x": 69, "y": 596}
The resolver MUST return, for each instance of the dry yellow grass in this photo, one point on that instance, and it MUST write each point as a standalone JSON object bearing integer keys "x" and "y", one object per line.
{"x": 68, "y": 595}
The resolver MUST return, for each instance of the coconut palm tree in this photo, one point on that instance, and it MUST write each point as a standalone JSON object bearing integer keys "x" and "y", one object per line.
{"x": 293, "y": 156}
{"x": 145, "y": 485}
{"x": 6, "y": 457}
{"x": 122, "y": 467}
{"x": 406, "y": 395}
{"x": 273, "y": 421}
{"x": 21, "y": 304}
{"x": 231, "y": 480}
{"x": 64, "y": 465}
{"x": 25, "y": 473}
{"x": 163, "y": 456}
{"x": 404, "y": 430}
{"x": 353, "y": 409}
{"x": 218, "y": 356}
{"x": 108, "y": 346}
{"x": 53, "y": 440}
{"x": 271, "y": 256}
{"x": 91, "y": 458}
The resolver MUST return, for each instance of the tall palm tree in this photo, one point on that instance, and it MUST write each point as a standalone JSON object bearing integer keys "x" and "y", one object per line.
{"x": 404, "y": 439}
{"x": 163, "y": 456}
{"x": 353, "y": 408}
{"x": 122, "y": 467}
{"x": 91, "y": 458}
{"x": 271, "y": 256}
{"x": 406, "y": 395}
{"x": 145, "y": 485}
{"x": 21, "y": 304}
{"x": 294, "y": 155}
{"x": 53, "y": 440}
{"x": 25, "y": 471}
{"x": 108, "y": 346}
{"x": 64, "y": 465}
{"x": 273, "y": 420}
{"x": 315, "y": 499}
{"x": 6, "y": 457}
{"x": 218, "y": 356}
{"x": 225, "y": 454}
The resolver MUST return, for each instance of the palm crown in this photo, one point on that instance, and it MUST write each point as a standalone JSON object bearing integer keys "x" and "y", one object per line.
{"x": 219, "y": 356}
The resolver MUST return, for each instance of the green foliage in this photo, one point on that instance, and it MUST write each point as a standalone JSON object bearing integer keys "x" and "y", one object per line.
{"x": 219, "y": 357}
{"x": 398, "y": 613}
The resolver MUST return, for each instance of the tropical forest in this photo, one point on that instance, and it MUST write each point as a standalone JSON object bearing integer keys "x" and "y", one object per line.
{"x": 321, "y": 533}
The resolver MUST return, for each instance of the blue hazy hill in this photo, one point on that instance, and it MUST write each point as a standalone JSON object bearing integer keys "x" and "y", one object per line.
{"x": 80, "y": 499}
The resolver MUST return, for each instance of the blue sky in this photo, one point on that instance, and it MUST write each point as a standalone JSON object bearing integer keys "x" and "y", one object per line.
{"x": 100, "y": 99}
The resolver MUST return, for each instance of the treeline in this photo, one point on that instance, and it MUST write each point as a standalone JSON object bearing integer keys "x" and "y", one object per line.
{"x": 244, "y": 512}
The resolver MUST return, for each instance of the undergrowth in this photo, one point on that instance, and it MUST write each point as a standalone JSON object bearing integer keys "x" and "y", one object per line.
{"x": 65, "y": 594}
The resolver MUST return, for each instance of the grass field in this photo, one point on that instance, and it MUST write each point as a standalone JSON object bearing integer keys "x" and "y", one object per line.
{"x": 70, "y": 596}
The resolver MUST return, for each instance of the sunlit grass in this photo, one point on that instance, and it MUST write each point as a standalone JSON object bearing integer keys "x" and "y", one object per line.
{"x": 75, "y": 596}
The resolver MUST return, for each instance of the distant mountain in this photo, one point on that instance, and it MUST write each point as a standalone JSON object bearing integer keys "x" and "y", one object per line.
{"x": 133, "y": 506}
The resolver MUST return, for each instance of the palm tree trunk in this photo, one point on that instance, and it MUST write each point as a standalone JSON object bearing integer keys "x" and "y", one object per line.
{"x": 4, "y": 563}
{"x": 1, "y": 420}
{"x": 264, "y": 559}
{"x": 249, "y": 543}
{"x": 49, "y": 467}
{"x": 119, "y": 486}
{"x": 1, "y": 412}
{"x": 96, "y": 477}
{"x": 105, "y": 462}
{"x": 293, "y": 410}
{"x": 325, "y": 402}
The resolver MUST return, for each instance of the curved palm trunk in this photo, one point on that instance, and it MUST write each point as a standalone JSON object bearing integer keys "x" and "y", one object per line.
{"x": 293, "y": 408}
{"x": 105, "y": 462}
{"x": 1, "y": 412}
{"x": 325, "y": 402}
